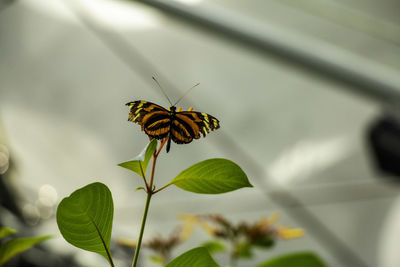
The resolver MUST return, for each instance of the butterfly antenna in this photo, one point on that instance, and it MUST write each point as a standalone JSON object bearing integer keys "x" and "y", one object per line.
{"x": 162, "y": 90}
{"x": 186, "y": 93}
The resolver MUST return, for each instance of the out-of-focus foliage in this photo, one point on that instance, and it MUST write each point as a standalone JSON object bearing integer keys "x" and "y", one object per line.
{"x": 300, "y": 259}
{"x": 17, "y": 245}
{"x": 194, "y": 257}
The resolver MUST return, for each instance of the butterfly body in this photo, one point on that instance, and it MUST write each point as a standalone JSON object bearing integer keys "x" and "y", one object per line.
{"x": 179, "y": 126}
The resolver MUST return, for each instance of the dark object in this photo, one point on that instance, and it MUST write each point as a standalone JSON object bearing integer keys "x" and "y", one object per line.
{"x": 384, "y": 141}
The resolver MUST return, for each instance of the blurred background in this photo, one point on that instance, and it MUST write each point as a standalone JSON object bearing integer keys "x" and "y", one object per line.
{"x": 307, "y": 93}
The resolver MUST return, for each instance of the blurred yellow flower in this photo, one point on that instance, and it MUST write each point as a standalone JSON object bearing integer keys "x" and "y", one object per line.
{"x": 207, "y": 228}
{"x": 264, "y": 222}
{"x": 126, "y": 242}
{"x": 289, "y": 233}
{"x": 189, "y": 222}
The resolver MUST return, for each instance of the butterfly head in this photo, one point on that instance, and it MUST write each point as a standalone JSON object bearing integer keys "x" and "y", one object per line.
{"x": 173, "y": 109}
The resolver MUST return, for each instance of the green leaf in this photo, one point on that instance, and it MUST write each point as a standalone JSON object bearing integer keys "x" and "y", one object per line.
{"x": 299, "y": 259}
{"x": 5, "y": 231}
{"x": 214, "y": 246}
{"x": 157, "y": 259}
{"x": 199, "y": 257}
{"x": 85, "y": 218}
{"x": 18, "y": 245}
{"x": 212, "y": 176}
{"x": 140, "y": 162}
{"x": 264, "y": 242}
{"x": 243, "y": 250}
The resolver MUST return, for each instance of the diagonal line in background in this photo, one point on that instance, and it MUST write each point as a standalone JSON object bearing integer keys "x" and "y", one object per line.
{"x": 363, "y": 82}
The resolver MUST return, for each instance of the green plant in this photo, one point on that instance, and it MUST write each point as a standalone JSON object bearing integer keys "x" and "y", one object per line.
{"x": 298, "y": 259}
{"x": 85, "y": 217}
{"x": 238, "y": 240}
{"x": 241, "y": 239}
{"x": 14, "y": 246}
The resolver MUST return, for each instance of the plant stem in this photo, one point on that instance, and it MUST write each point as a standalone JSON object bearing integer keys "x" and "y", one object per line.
{"x": 143, "y": 176}
{"x": 149, "y": 192}
{"x": 155, "y": 156}
{"x": 146, "y": 209}
{"x": 161, "y": 145}
{"x": 161, "y": 188}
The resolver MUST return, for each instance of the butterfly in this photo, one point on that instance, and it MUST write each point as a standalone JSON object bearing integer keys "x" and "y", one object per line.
{"x": 179, "y": 126}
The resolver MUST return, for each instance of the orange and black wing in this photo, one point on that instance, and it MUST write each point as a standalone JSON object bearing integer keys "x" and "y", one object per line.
{"x": 188, "y": 125}
{"x": 154, "y": 119}
{"x": 183, "y": 129}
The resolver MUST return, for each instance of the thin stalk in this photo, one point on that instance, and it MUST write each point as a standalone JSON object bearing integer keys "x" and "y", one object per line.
{"x": 153, "y": 170}
{"x": 161, "y": 188}
{"x": 155, "y": 156}
{"x": 149, "y": 192}
{"x": 139, "y": 243}
{"x": 143, "y": 176}
{"x": 161, "y": 145}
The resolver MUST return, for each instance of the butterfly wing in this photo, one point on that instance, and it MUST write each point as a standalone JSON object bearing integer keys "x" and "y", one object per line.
{"x": 204, "y": 122}
{"x": 154, "y": 119}
{"x": 184, "y": 129}
{"x": 158, "y": 122}
{"x": 140, "y": 108}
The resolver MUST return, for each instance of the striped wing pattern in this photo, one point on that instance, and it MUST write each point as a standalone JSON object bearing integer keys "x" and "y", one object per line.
{"x": 204, "y": 122}
{"x": 182, "y": 127}
{"x": 138, "y": 110}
